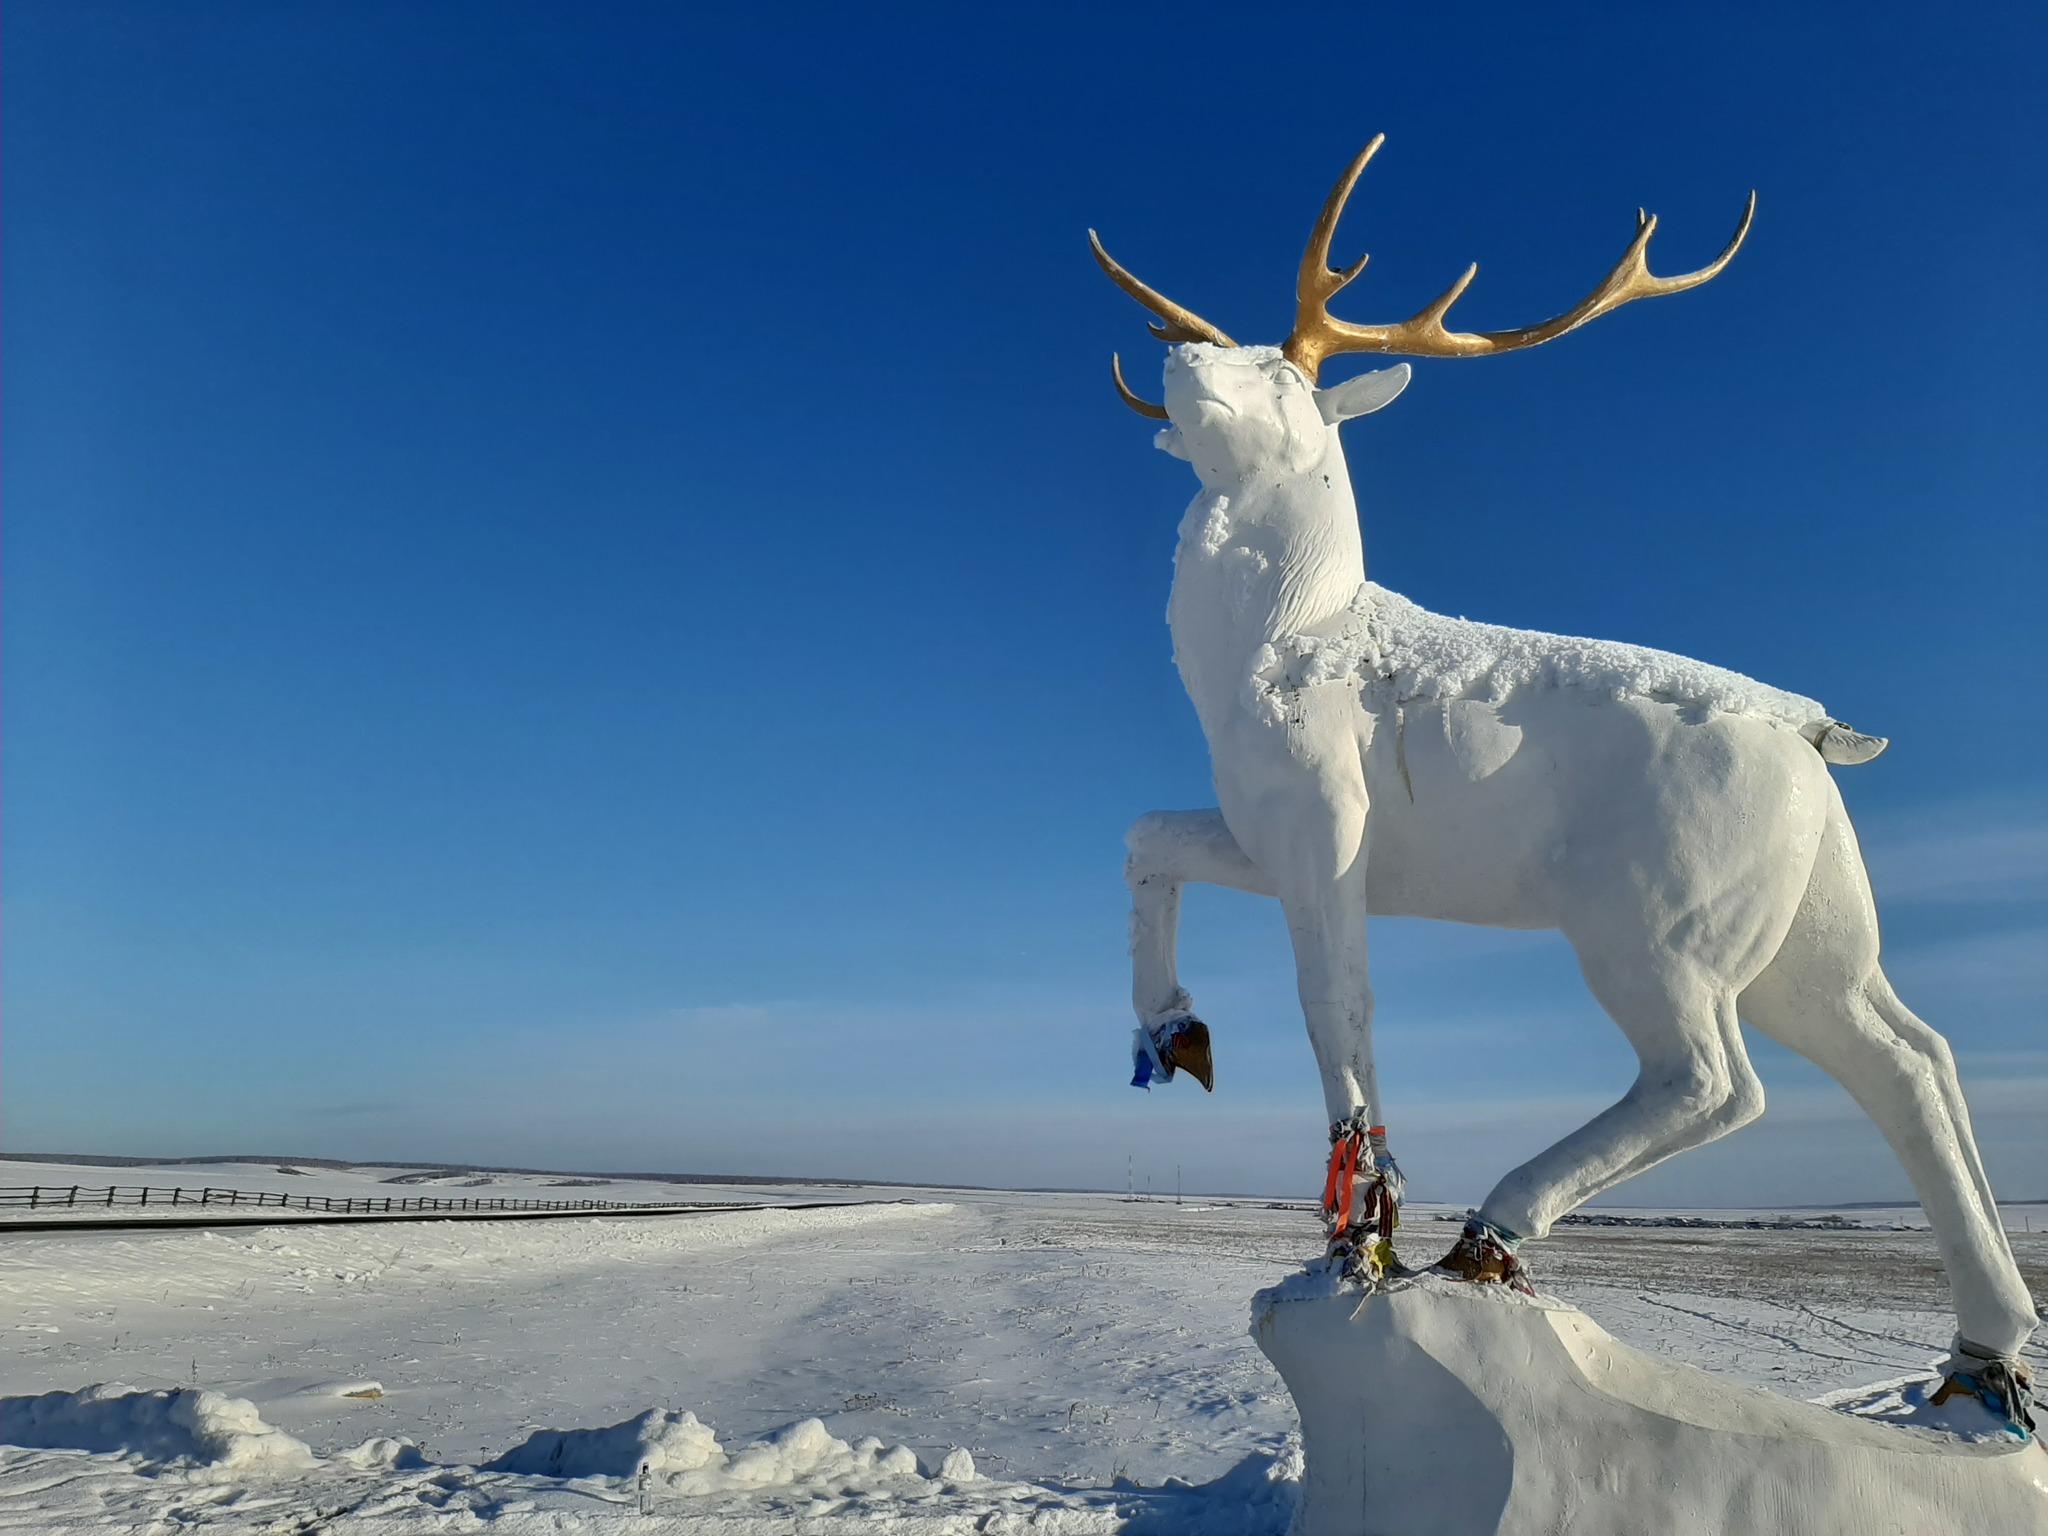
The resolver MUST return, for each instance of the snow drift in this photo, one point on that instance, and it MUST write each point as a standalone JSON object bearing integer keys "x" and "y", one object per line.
{"x": 672, "y": 1461}
{"x": 657, "y": 1441}
{"x": 183, "y": 1425}
{"x": 684, "y": 1457}
{"x": 805, "y": 1455}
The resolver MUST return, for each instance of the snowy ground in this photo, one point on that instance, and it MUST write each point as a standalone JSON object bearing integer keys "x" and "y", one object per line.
{"x": 1083, "y": 1350}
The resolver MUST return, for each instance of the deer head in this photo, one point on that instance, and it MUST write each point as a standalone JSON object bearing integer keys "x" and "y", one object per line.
{"x": 1231, "y": 407}
{"x": 1233, "y": 410}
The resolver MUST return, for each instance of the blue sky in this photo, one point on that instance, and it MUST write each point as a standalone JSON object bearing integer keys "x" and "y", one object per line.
{"x": 576, "y": 593}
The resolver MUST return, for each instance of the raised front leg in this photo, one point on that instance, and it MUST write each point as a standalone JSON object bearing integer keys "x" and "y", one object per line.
{"x": 1167, "y": 850}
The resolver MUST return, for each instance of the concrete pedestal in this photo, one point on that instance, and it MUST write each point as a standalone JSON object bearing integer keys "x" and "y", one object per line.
{"x": 1438, "y": 1409}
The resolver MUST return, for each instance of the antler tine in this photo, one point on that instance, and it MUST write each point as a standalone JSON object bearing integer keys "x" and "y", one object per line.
{"x": 1181, "y": 324}
{"x": 1317, "y": 335}
{"x": 1630, "y": 279}
{"x": 1131, "y": 397}
{"x": 1318, "y": 281}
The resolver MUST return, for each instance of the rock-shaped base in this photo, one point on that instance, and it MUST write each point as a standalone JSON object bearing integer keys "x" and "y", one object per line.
{"x": 1436, "y": 1409}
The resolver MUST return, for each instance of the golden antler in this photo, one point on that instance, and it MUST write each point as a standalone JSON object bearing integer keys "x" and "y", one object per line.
{"x": 1316, "y": 335}
{"x": 1181, "y": 325}
{"x": 1131, "y": 397}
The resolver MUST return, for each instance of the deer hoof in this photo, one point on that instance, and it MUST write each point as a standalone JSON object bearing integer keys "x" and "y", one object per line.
{"x": 1187, "y": 1050}
{"x": 2006, "y": 1387}
{"x": 1481, "y": 1258}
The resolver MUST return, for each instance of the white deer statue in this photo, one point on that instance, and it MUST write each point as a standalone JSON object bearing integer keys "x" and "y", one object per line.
{"x": 1676, "y": 822}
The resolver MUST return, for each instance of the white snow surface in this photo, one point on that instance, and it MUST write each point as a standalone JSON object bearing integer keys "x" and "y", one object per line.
{"x": 973, "y": 1361}
{"x": 1389, "y": 643}
{"x": 1208, "y": 351}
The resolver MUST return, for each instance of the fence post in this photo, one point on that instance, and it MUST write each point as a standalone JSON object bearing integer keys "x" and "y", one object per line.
{"x": 110, "y": 1194}
{"x": 35, "y": 1197}
{"x": 177, "y": 1193}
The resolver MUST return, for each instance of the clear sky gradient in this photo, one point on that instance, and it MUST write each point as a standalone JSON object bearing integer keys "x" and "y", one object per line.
{"x": 576, "y": 593}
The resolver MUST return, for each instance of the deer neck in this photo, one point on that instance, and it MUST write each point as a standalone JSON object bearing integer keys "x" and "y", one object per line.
{"x": 1273, "y": 553}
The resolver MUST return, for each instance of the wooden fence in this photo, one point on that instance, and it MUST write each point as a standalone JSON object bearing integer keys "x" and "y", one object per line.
{"x": 83, "y": 1197}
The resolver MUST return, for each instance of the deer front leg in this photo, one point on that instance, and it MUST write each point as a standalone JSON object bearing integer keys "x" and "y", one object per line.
{"x": 1323, "y": 892}
{"x": 1167, "y": 850}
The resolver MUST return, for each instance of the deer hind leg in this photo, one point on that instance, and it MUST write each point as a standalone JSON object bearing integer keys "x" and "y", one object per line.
{"x": 1825, "y": 997}
{"x": 1695, "y": 1085}
{"x": 1167, "y": 850}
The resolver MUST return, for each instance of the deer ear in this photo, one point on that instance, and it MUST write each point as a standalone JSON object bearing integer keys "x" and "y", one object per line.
{"x": 1168, "y": 440}
{"x": 1363, "y": 395}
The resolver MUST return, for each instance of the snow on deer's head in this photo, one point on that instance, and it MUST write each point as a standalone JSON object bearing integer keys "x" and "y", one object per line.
{"x": 1232, "y": 408}
{"x": 1238, "y": 409}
